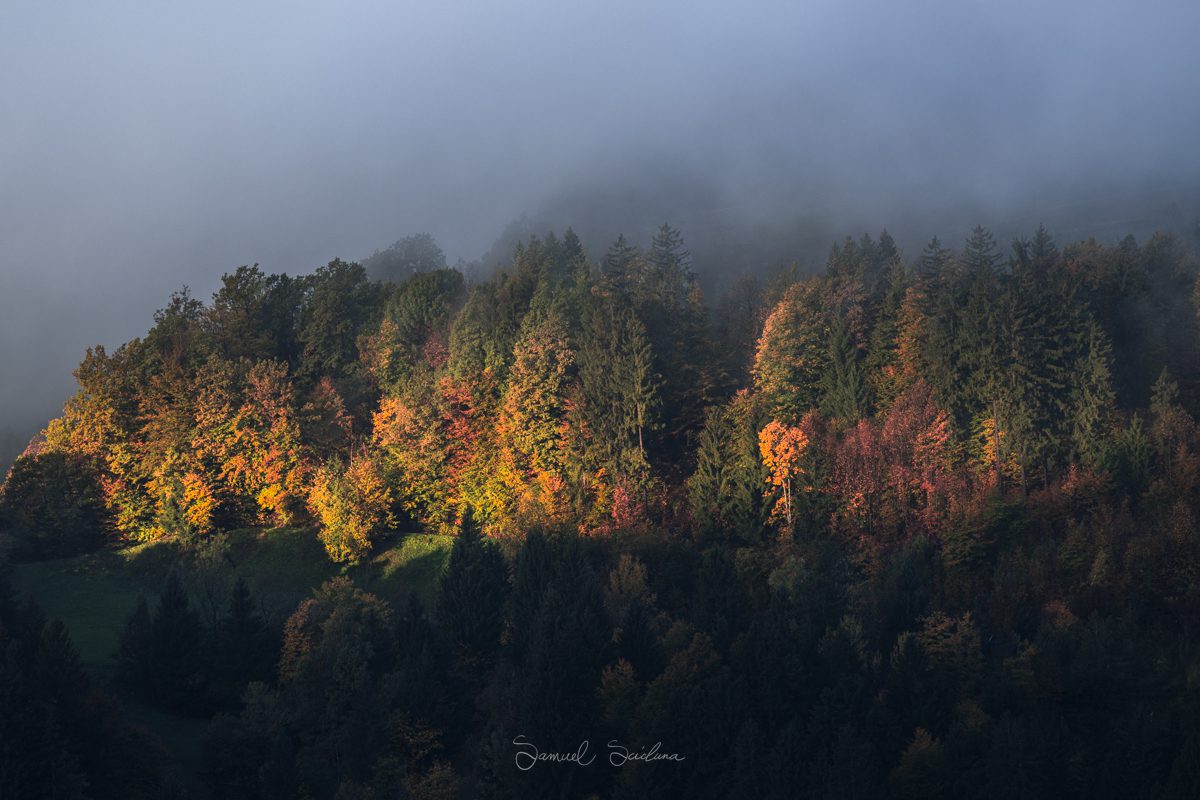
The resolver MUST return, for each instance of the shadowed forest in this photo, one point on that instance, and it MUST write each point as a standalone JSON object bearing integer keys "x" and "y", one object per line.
{"x": 920, "y": 525}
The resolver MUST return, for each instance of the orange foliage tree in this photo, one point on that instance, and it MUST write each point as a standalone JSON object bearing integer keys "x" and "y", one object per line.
{"x": 351, "y": 503}
{"x": 782, "y": 448}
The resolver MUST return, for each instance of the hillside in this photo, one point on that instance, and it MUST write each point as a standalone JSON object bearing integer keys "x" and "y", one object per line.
{"x": 915, "y": 526}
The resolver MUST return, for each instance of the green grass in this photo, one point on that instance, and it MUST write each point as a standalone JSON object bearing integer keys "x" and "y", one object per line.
{"x": 95, "y": 593}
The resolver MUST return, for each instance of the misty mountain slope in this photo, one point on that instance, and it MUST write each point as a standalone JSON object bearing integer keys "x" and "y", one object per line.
{"x": 146, "y": 151}
{"x": 938, "y": 508}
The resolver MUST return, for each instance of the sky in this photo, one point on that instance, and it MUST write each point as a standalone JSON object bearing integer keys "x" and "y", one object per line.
{"x": 149, "y": 145}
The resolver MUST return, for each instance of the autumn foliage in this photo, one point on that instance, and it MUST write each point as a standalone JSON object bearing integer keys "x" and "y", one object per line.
{"x": 884, "y": 402}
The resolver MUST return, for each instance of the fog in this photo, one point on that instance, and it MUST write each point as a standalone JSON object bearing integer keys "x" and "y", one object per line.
{"x": 144, "y": 147}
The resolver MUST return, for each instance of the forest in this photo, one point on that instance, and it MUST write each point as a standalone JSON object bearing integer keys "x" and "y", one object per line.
{"x": 906, "y": 526}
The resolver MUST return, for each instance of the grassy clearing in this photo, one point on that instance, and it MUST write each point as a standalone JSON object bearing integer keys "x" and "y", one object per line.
{"x": 94, "y": 594}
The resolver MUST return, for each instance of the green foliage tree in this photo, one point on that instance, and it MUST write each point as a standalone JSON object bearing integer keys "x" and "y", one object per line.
{"x": 243, "y": 647}
{"x": 793, "y": 353}
{"x": 253, "y": 315}
{"x": 51, "y": 506}
{"x": 843, "y": 384}
{"x": 619, "y": 390}
{"x": 405, "y": 258}
{"x": 412, "y": 339}
{"x": 340, "y": 303}
{"x": 725, "y": 491}
{"x": 1093, "y": 401}
{"x": 174, "y": 658}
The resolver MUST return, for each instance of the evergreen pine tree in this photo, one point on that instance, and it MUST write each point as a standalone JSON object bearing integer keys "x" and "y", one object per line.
{"x": 133, "y": 649}
{"x": 725, "y": 490}
{"x": 1093, "y": 401}
{"x": 979, "y": 254}
{"x": 882, "y": 364}
{"x": 620, "y": 269}
{"x": 471, "y": 594}
{"x": 532, "y": 572}
{"x": 176, "y": 679}
{"x": 843, "y": 387}
{"x": 935, "y": 262}
{"x": 244, "y": 647}
{"x": 669, "y": 305}
{"x": 1043, "y": 251}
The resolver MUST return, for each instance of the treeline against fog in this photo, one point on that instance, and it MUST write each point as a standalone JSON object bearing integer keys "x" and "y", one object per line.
{"x": 910, "y": 527}
{"x": 598, "y": 396}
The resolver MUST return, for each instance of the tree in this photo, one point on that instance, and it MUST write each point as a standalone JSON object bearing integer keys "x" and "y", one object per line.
{"x": 979, "y": 255}
{"x": 253, "y": 315}
{"x": 725, "y": 491}
{"x": 793, "y": 353}
{"x": 61, "y": 736}
{"x": 244, "y": 648}
{"x": 405, "y": 258}
{"x": 618, "y": 394}
{"x": 670, "y": 305}
{"x": 175, "y": 640}
{"x": 783, "y": 448}
{"x": 532, "y": 415}
{"x": 941, "y": 336}
{"x": 621, "y": 269}
{"x": 338, "y": 709}
{"x": 564, "y": 649}
{"x": 340, "y": 303}
{"x": 351, "y": 503}
{"x": 160, "y": 656}
{"x": 134, "y": 667}
{"x": 738, "y": 320}
{"x": 1172, "y": 427}
{"x": 51, "y": 505}
{"x": 1093, "y": 401}
{"x": 885, "y": 360}
{"x": 471, "y": 595}
{"x": 843, "y": 385}
{"x": 413, "y": 334}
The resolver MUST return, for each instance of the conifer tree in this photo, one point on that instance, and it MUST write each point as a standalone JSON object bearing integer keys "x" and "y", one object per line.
{"x": 471, "y": 594}
{"x": 244, "y": 648}
{"x": 1171, "y": 425}
{"x": 1093, "y": 401}
{"x": 670, "y": 306}
{"x": 176, "y": 633}
{"x": 979, "y": 255}
{"x": 936, "y": 263}
{"x": 843, "y": 387}
{"x": 133, "y": 649}
{"x": 941, "y": 355}
{"x": 792, "y": 353}
{"x": 619, "y": 389}
{"x": 883, "y": 362}
{"x": 533, "y": 457}
{"x": 621, "y": 270}
{"x": 725, "y": 490}
{"x": 1043, "y": 252}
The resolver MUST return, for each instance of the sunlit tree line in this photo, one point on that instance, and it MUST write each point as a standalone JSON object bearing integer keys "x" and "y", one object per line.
{"x": 884, "y": 398}
{"x": 904, "y": 528}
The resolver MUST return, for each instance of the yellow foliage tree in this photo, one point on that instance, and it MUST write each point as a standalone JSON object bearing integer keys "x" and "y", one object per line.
{"x": 351, "y": 504}
{"x": 782, "y": 448}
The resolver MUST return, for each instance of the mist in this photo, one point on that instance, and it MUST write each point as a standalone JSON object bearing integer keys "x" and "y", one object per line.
{"x": 145, "y": 147}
